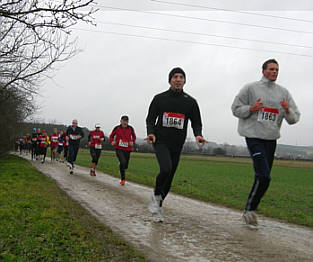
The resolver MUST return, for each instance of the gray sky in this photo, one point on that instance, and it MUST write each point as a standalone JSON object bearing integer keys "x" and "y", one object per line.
{"x": 119, "y": 74}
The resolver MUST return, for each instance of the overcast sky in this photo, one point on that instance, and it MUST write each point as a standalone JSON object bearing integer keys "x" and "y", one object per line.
{"x": 119, "y": 72}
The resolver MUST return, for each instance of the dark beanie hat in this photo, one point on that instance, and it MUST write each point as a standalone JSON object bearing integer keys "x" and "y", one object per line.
{"x": 176, "y": 70}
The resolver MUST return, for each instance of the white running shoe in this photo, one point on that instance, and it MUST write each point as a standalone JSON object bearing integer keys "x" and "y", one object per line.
{"x": 250, "y": 217}
{"x": 158, "y": 217}
{"x": 155, "y": 203}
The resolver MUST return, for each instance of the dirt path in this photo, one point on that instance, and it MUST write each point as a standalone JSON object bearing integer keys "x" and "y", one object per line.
{"x": 193, "y": 231}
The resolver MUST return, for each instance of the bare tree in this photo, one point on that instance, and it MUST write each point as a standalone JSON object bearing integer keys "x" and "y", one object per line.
{"x": 34, "y": 36}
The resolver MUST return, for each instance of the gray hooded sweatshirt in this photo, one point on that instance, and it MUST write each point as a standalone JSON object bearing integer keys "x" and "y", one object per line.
{"x": 266, "y": 123}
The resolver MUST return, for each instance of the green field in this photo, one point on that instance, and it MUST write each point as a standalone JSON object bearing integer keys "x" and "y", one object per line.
{"x": 39, "y": 222}
{"x": 226, "y": 181}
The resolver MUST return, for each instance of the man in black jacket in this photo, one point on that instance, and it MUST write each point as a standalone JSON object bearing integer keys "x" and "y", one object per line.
{"x": 73, "y": 135}
{"x": 167, "y": 123}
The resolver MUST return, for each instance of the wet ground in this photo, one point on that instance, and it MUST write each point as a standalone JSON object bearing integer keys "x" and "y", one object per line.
{"x": 192, "y": 231}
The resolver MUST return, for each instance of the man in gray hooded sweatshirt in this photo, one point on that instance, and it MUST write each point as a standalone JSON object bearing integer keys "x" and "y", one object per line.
{"x": 261, "y": 107}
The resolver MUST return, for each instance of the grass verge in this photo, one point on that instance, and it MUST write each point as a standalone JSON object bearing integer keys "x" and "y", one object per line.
{"x": 39, "y": 222}
{"x": 225, "y": 181}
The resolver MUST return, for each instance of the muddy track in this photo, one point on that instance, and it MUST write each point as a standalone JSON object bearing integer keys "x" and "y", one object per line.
{"x": 193, "y": 230}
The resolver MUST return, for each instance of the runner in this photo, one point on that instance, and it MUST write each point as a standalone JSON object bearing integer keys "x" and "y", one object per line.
{"x": 171, "y": 109}
{"x": 43, "y": 144}
{"x": 34, "y": 138}
{"x": 37, "y": 151}
{"x": 66, "y": 143}
{"x": 61, "y": 142}
{"x": 25, "y": 144}
{"x": 95, "y": 139}
{"x": 123, "y": 138}
{"x": 28, "y": 143}
{"x": 17, "y": 142}
{"x": 21, "y": 144}
{"x": 261, "y": 107}
{"x": 54, "y": 140}
{"x": 73, "y": 135}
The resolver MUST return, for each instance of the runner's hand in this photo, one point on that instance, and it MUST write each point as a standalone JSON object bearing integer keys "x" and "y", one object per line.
{"x": 200, "y": 141}
{"x": 150, "y": 139}
{"x": 131, "y": 143}
{"x": 285, "y": 105}
{"x": 113, "y": 143}
{"x": 257, "y": 106}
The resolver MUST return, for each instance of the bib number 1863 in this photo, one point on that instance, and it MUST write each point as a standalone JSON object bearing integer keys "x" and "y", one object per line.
{"x": 268, "y": 114}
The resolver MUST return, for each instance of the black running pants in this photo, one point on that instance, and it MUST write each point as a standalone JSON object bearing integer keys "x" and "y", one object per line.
{"x": 95, "y": 154}
{"x": 168, "y": 158}
{"x": 262, "y": 154}
{"x": 123, "y": 157}
{"x": 72, "y": 152}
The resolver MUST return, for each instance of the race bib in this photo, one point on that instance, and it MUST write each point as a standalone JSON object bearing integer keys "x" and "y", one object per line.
{"x": 268, "y": 114}
{"x": 123, "y": 143}
{"x": 175, "y": 120}
{"x": 98, "y": 146}
{"x": 74, "y": 137}
{"x": 34, "y": 139}
{"x": 60, "y": 144}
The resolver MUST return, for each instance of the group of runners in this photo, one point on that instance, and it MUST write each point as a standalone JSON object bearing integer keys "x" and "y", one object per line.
{"x": 122, "y": 137}
{"x": 38, "y": 142}
{"x": 260, "y": 107}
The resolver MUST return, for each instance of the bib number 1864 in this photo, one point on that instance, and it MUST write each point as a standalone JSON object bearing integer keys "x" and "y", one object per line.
{"x": 175, "y": 120}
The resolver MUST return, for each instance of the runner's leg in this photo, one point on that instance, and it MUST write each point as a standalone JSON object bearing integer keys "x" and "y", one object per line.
{"x": 121, "y": 158}
{"x": 163, "y": 156}
{"x": 70, "y": 154}
{"x": 175, "y": 156}
{"x": 75, "y": 148}
{"x": 262, "y": 171}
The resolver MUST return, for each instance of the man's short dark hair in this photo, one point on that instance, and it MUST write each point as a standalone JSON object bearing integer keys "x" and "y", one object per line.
{"x": 124, "y": 118}
{"x": 270, "y": 61}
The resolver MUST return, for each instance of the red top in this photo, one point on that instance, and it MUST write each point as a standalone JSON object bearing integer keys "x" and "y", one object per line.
{"x": 43, "y": 141}
{"x": 54, "y": 140}
{"x": 123, "y": 137}
{"x": 95, "y": 139}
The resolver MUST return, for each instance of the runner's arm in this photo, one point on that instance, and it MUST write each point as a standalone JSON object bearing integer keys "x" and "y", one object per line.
{"x": 294, "y": 115}
{"x": 112, "y": 135}
{"x": 67, "y": 134}
{"x": 195, "y": 119}
{"x": 151, "y": 117}
{"x": 133, "y": 135}
{"x": 241, "y": 105}
{"x": 89, "y": 139}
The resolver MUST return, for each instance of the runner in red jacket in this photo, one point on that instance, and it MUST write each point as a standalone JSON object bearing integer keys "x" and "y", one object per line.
{"x": 54, "y": 141}
{"x": 123, "y": 138}
{"x": 95, "y": 139}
